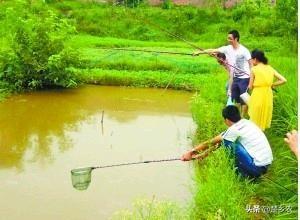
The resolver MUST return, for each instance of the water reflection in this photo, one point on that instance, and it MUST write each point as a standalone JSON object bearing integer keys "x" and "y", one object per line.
{"x": 32, "y": 125}
{"x": 44, "y": 135}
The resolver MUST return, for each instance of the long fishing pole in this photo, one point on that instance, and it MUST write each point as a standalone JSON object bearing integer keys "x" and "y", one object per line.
{"x": 174, "y": 35}
{"x": 133, "y": 163}
{"x": 148, "y": 51}
{"x": 200, "y": 156}
{"x": 185, "y": 41}
{"x": 189, "y": 43}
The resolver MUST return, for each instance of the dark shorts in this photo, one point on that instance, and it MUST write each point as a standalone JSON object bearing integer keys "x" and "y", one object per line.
{"x": 243, "y": 161}
{"x": 239, "y": 86}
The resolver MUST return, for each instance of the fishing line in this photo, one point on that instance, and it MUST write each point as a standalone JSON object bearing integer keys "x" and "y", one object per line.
{"x": 173, "y": 35}
{"x": 147, "y": 51}
{"x": 186, "y": 41}
{"x": 167, "y": 104}
{"x": 108, "y": 55}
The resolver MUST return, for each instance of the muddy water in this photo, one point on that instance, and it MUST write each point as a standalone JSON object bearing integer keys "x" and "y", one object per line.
{"x": 43, "y": 135}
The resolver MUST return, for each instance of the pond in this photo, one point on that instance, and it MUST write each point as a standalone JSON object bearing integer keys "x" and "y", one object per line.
{"x": 44, "y": 135}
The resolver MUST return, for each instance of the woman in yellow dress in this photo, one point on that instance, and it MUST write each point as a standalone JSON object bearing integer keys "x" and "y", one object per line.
{"x": 262, "y": 82}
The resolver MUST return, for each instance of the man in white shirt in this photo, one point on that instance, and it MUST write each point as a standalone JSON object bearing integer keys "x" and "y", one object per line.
{"x": 239, "y": 60}
{"x": 249, "y": 144}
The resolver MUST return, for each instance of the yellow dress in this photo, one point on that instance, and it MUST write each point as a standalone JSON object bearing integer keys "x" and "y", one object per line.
{"x": 261, "y": 100}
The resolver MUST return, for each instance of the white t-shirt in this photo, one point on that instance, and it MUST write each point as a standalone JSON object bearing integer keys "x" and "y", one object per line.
{"x": 253, "y": 140}
{"x": 239, "y": 59}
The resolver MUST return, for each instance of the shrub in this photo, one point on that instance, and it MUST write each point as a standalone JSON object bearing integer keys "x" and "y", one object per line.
{"x": 36, "y": 57}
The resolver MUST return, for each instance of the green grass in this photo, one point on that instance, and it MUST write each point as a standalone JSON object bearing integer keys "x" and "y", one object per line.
{"x": 141, "y": 61}
{"x": 154, "y": 79}
{"x": 86, "y": 40}
{"x": 285, "y": 101}
{"x": 152, "y": 209}
{"x": 284, "y": 173}
{"x": 220, "y": 192}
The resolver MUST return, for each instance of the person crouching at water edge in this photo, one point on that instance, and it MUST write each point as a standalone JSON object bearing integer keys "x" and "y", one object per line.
{"x": 247, "y": 142}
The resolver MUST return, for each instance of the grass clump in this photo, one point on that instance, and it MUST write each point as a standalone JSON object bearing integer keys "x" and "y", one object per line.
{"x": 148, "y": 209}
{"x": 220, "y": 194}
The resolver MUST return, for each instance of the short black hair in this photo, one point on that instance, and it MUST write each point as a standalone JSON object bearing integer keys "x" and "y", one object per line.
{"x": 221, "y": 56}
{"x": 232, "y": 113}
{"x": 235, "y": 34}
{"x": 260, "y": 56}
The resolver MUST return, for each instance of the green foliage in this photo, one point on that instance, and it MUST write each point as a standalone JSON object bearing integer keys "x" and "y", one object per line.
{"x": 285, "y": 100}
{"x": 132, "y": 3}
{"x": 138, "y": 61}
{"x": 167, "y": 4}
{"x": 279, "y": 20}
{"x": 220, "y": 193}
{"x": 287, "y": 9}
{"x": 52, "y": 1}
{"x": 249, "y": 9}
{"x": 36, "y": 57}
{"x": 155, "y": 79}
{"x": 60, "y": 73}
{"x": 282, "y": 173}
{"x": 189, "y": 22}
{"x": 152, "y": 210}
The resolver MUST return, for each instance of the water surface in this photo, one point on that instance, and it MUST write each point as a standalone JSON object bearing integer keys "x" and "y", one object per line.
{"x": 43, "y": 135}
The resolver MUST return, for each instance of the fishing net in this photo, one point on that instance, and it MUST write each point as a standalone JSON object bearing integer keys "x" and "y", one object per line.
{"x": 81, "y": 178}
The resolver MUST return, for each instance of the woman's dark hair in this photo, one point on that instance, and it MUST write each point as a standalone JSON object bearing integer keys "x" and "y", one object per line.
{"x": 235, "y": 34}
{"x": 260, "y": 56}
{"x": 232, "y": 113}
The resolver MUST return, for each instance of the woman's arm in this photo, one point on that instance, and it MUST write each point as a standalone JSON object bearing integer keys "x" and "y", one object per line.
{"x": 250, "y": 64}
{"x": 252, "y": 77}
{"x": 280, "y": 79}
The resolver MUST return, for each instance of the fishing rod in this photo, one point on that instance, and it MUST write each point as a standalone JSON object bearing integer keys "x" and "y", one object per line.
{"x": 190, "y": 43}
{"x": 164, "y": 52}
{"x": 149, "y": 51}
{"x": 168, "y": 32}
{"x": 176, "y": 36}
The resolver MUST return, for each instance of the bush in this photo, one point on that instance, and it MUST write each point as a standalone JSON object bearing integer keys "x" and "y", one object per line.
{"x": 36, "y": 57}
{"x": 167, "y": 4}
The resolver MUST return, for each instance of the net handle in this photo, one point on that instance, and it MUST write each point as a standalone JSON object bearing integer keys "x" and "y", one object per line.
{"x": 132, "y": 163}
{"x": 198, "y": 157}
